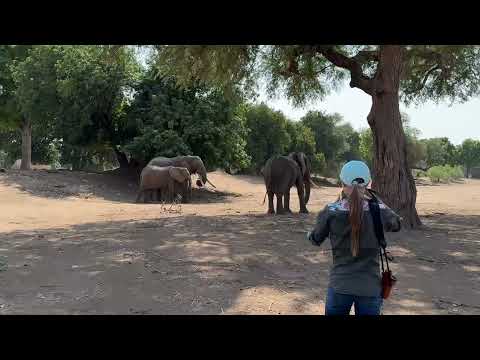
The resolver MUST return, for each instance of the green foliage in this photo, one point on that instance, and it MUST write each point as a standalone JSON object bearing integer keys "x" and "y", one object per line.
{"x": 268, "y": 134}
{"x": 10, "y": 113}
{"x": 44, "y": 147}
{"x": 416, "y": 149}
{"x": 437, "y": 173}
{"x": 74, "y": 93}
{"x": 328, "y": 139}
{"x": 350, "y": 148}
{"x": 439, "y": 151}
{"x": 445, "y": 173}
{"x": 230, "y": 67}
{"x": 93, "y": 84}
{"x": 438, "y": 72}
{"x": 319, "y": 164}
{"x": 35, "y": 84}
{"x": 469, "y": 154}
{"x": 304, "y": 73}
{"x": 153, "y": 142}
{"x": 302, "y": 138}
{"x": 171, "y": 121}
{"x": 419, "y": 173}
{"x": 366, "y": 146}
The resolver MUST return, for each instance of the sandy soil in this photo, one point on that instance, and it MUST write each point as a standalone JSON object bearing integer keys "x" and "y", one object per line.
{"x": 75, "y": 243}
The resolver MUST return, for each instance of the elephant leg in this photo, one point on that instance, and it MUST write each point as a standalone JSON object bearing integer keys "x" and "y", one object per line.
{"x": 189, "y": 190}
{"x": 271, "y": 210}
{"x": 139, "y": 196}
{"x": 171, "y": 191}
{"x": 280, "y": 210}
{"x": 186, "y": 194}
{"x": 287, "y": 203}
{"x": 162, "y": 194}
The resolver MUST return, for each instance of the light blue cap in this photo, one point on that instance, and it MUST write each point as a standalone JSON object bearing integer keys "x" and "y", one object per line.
{"x": 353, "y": 170}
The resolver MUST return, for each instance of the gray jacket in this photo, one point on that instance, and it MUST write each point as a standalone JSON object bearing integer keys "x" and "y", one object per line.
{"x": 353, "y": 275}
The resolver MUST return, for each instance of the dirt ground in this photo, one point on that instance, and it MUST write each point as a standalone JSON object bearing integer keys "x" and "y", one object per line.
{"x": 76, "y": 243}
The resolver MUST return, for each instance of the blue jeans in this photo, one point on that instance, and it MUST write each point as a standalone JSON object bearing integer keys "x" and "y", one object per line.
{"x": 340, "y": 304}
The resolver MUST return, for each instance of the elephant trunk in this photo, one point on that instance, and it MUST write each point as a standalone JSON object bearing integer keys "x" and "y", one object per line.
{"x": 203, "y": 176}
{"x": 307, "y": 181}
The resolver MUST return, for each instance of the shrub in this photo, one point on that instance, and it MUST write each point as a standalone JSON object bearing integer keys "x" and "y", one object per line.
{"x": 457, "y": 172}
{"x": 444, "y": 173}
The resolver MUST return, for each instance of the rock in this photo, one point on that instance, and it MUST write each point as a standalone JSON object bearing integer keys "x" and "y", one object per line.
{"x": 3, "y": 170}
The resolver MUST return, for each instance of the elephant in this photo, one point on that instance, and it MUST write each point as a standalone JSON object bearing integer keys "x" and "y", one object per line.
{"x": 184, "y": 189}
{"x": 163, "y": 179}
{"x": 194, "y": 164}
{"x": 280, "y": 174}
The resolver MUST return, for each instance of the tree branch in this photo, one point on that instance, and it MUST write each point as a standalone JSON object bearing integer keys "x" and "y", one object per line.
{"x": 358, "y": 79}
{"x": 366, "y": 56}
{"x": 426, "y": 76}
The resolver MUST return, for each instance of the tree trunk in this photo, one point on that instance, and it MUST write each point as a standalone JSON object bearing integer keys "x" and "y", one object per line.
{"x": 391, "y": 173}
{"x": 26, "y": 145}
{"x": 122, "y": 159}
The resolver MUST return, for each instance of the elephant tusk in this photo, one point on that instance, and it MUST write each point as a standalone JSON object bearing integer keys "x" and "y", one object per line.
{"x": 211, "y": 183}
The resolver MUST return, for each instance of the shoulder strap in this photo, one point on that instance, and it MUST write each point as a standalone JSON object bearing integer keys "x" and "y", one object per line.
{"x": 377, "y": 220}
{"x": 378, "y": 226}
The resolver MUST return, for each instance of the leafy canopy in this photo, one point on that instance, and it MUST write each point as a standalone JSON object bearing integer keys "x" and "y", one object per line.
{"x": 309, "y": 72}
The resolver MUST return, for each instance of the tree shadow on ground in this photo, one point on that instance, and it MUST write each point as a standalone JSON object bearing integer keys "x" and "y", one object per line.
{"x": 116, "y": 186}
{"x": 222, "y": 264}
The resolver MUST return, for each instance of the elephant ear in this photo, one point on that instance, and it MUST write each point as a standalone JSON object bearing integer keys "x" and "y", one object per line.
{"x": 299, "y": 158}
{"x": 177, "y": 173}
{"x": 308, "y": 164}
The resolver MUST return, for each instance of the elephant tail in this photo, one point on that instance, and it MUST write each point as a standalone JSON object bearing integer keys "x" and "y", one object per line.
{"x": 263, "y": 203}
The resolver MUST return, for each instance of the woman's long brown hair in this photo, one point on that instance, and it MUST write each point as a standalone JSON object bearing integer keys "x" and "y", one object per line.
{"x": 355, "y": 201}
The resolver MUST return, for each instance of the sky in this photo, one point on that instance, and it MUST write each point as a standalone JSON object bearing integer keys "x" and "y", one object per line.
{"x": 457, "y": 122}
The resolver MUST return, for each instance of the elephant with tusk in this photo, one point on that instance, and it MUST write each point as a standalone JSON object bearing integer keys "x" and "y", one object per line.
{"x": 280, "y": 174}
{"x": 194, "y": 164}
{"x": 164, "y": 180}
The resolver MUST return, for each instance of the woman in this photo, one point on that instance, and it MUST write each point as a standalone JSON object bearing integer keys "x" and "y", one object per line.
{"x": 355, "y": 275}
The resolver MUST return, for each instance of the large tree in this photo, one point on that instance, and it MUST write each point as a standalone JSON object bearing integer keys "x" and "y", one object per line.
{"x": 328, "y": 138}
{"x": 304, "y": 72}
{"x": 470, "y": 154}
{"x": 171, "y": 121}
{"x": 12, "y": 116}
{"x": 268, "y": 134}
{"x": 440, "y": 151}
{"x": 94, "y": 85}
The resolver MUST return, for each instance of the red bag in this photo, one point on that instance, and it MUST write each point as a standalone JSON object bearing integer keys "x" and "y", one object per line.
{"x": 388, "y": 279}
